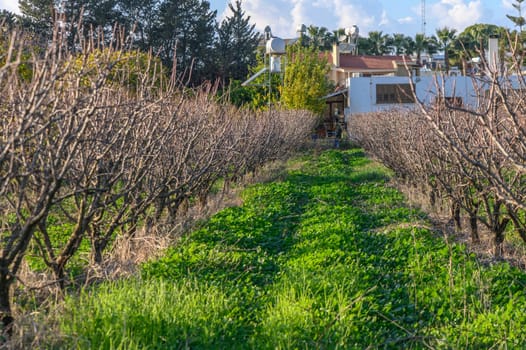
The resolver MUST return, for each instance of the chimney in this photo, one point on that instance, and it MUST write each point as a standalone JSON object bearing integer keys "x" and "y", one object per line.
{"x": 336, "y": 54}
{"x": 493, "y": 53}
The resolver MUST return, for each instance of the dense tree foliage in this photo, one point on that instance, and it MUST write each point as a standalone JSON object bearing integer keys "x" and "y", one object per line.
{"x": 378, "y": 43}
{"x": 402, "y": 44}
{"x": 140, "y": 17}
{"x": 473, "y": 40}
{"x": 519, "y": 19}
{"x": 185, "y": 38}
{"x": 236, "y": 45}
{"x": 305, "y": 81}
{"x": 423, "y": 44}
{"x": 446, "y": 37}
{"x": 182, "y": 32}
{"x": 263, "y": 92}
{"x": 8, "y": 19}
{"x": 318, "y": 37}
{"x": 38, "y": 16}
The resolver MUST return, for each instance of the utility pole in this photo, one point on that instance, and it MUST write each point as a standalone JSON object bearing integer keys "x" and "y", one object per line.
{"x": 423, "y": 13}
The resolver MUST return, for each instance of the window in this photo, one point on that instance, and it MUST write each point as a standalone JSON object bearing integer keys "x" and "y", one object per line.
{"x": 454, "y": 101}
{"x": 394, "y": 93}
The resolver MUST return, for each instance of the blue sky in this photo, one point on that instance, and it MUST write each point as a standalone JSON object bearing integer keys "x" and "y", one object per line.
{"x": 389, "y": 16}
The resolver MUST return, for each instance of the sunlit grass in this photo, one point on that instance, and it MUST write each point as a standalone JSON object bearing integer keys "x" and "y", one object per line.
{"x": 137, "y": 314}
{"x": 330, "y": 257}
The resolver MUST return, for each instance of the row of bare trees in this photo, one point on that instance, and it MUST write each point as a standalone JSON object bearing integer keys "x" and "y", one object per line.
{"x": 470, "y": 158}
{"x": 101, "y": 141}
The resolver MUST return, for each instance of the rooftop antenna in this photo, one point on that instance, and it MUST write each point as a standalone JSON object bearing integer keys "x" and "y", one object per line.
{"x": 423, "y": 9}
{"x": 268, "y": 33}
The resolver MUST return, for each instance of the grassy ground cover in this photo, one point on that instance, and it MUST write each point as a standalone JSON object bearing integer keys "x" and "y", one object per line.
{"x": 330, "y": 257}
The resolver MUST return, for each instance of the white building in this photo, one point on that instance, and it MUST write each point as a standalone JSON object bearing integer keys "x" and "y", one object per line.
{"x": 380, "y": 93}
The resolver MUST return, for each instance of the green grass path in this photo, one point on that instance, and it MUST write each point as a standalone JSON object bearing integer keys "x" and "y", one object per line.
{"x": 329, "y": 258}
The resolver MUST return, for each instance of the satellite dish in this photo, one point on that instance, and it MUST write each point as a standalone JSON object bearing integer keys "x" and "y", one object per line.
{"x": 342, "y": 38}
{"x": 352, "y": 32}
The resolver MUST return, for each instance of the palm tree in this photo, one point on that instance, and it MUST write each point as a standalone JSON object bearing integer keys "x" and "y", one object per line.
{"x": 420, "y": 43}
{"x": 379, "y": 43}
{"x": 398, "y": 43}
{"x": 465, "y": 48}
{"x": 423, "y": 44}
{"x": 408, "y": 46}
{"x": 319, "y": 37}
{"x": 446, "y": 37}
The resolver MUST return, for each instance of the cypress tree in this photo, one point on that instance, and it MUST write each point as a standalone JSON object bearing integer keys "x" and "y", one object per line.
{"x": 519, "y": 20}
{"x": 236, "y": 45}
{"x": 185, "y": 39}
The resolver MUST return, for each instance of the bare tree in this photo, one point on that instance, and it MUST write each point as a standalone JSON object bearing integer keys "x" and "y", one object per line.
{"x": 44, "y": 122}
{"x": 471, "y": 156}
{"x": 100, "y": 145}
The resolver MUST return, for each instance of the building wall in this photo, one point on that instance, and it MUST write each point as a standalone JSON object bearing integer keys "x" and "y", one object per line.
{"x": 362, "y": 91}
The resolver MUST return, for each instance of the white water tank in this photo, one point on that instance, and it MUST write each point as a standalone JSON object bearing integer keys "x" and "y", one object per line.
{"x": 275, "y": 64}
{"x": 276, "y": 46}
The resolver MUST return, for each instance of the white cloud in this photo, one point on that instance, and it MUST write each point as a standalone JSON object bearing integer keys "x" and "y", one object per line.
{"x": 10, "y": 5}
{"x": 273, "y": 14}
{"x": 389, "y": 16}
{"x": 507, "y": 4}
{"x": 299, "y": 13}
{"x": 406, "y": 20}
{"x": 367, "y": 15}
{"x": 384, "y": 20}
{"x": 285, "y": 15}
{"x": 321, "y": 3}
{"x": 456, "y": 14}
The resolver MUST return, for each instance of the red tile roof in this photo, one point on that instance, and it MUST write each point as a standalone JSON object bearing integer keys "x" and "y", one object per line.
{"x": 364, "y": 63}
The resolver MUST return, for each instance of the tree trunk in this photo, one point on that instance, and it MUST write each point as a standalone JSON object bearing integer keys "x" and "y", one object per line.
{"x": 473, "y": 224}
{"x": 498, "y": 240}
{"x": 98, "y": 244}
{"x": 432, "y": 198}
{"x": 497, "y": 224}
{"x": 455, "y": 215}
{"x": 6, "y": 316}
{"x": 60, "y": 276}
{"x": 446, "y": 59}
{"x": 498, "y": 249}
{"x": 464, "y": 66}
{"x": 97, "y": 255}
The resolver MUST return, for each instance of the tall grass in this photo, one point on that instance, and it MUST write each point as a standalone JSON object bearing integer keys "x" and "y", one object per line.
{"x": 330, "y": 257}
{"x": 140, "y": 314}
